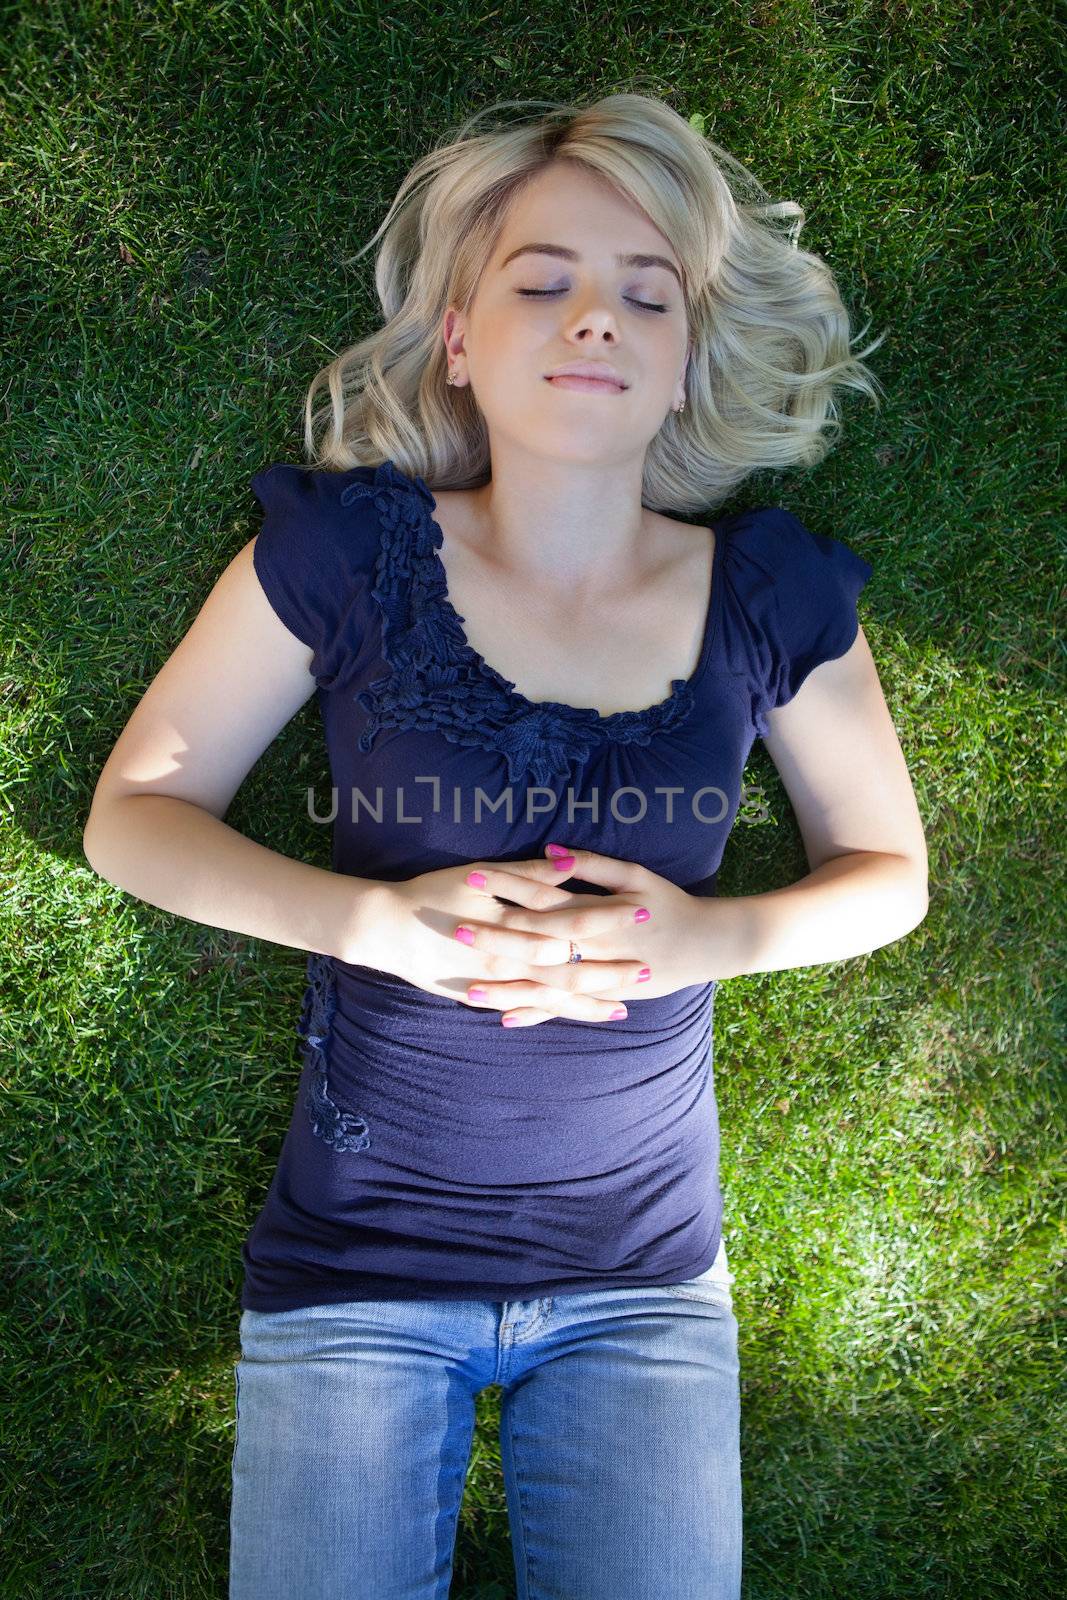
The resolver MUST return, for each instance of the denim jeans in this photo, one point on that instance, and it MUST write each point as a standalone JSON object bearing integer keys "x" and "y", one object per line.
{"x": 619, "y": 1441}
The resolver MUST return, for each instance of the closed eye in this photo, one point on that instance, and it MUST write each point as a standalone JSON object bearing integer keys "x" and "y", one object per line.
{"x": 542, "y": 293}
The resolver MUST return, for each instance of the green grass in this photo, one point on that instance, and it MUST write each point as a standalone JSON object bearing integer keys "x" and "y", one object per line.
{"x": 180, "y": 185}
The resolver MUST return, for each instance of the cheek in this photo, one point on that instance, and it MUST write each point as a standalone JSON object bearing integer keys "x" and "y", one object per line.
{"x": 511, "y": 352}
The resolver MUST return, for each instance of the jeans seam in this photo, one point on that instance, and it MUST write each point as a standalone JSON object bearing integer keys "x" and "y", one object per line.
{"x": 523, "y": 1546}
{"x": 236, "y": 1413}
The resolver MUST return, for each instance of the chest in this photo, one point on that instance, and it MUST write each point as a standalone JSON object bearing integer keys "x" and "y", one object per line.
{"x": 619, "y": 653}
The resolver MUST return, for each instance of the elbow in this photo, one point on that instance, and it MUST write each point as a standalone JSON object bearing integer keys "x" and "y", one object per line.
{"x": 93, "y": 845}
{"x": 902, "y": 917}
{"x": 912, "y": 887}
{"x": 918, "y": 901}
{"x": 922, "y": 906}
{"x": 89, "y": 852}
{"x": 909, "y": 898}
{"x": 922, "y": 885}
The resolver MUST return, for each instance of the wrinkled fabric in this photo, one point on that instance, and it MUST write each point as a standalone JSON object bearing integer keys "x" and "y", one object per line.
{"x": 432, "y": 1153}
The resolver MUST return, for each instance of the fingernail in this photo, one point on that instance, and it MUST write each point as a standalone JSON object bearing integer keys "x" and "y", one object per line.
{"x": 466, "y": 935}
{"x": 646, "y": 972}
{"x": 620, "y": 1011}
{"x": 477, "y": 878}
{"x": 563, "y": 863}
{"x": 557, "y": 850}
{"x": 475, "y": 993}
{"x": 641, "y": 914}
{"x": 509, "y": 1022}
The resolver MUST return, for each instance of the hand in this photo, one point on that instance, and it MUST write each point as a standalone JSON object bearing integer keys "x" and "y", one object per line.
{"x": 521, "y": 952}
{"x": 403, "y": 929}
{"x": 673, "y": 942}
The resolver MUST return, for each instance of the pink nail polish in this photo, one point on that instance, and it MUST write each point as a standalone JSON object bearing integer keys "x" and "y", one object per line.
{"x": 477, "y": 879}
{"x": 509, "y": 1022}
{"x": 466, "y": 935}
{"x": 620, "y": 1011}
{"x": 644, "y": 974}
{"x": 557, "y": 850}
{"x": 474, "y": 993}
{"x": 642, "y": 914}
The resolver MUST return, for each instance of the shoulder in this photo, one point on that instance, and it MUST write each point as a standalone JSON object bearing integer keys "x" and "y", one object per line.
{"x": 319, "y": 516}
{"x": 291, "y": 484}
{"x": 774, "y": 561}
{"x": 779, "y": 541}
{"x": 314, "y": 554}
{"x": 788, "y": 601}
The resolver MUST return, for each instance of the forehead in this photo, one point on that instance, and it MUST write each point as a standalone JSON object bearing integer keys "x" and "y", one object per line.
{"x": 585, "y": 216}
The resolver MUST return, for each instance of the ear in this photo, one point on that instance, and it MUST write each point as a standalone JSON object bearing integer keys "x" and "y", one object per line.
{"x": 685, "y": 369}
{"x": 453, "y": 329}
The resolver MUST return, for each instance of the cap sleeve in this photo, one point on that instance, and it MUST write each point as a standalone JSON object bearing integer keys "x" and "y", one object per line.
{"x": 311, "y": 556}
{"x": 793, "y": 600}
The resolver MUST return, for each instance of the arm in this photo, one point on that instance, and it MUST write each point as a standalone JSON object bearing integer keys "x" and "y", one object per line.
{"x": 155, "y": 825}
{"x": 182, "y": 858}
{"x": 848, "y": 906}
{"x": 841, "y": 764}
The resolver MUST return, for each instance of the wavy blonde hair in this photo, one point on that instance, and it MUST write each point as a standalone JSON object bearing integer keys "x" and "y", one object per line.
{"x": 771, "y": 335}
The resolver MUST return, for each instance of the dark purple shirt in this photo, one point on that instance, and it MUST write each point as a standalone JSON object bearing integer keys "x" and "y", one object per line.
{"x": 432, "y": 1153}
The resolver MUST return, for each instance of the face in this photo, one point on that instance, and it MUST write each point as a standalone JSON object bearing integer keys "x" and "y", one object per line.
{"x": 533, "y": 312}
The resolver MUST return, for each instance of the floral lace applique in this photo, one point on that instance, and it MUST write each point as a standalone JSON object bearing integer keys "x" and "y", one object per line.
{"x": 338, "y": 1128}
{"x": 438, "y": 681}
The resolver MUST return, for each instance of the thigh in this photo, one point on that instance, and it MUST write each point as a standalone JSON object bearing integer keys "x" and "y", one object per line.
{"x": 354, "y": 1429}
{"x": 621, "y": 1449}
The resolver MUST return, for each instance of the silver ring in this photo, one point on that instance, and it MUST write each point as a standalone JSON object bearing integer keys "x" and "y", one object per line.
{"x": 575, "y": 955}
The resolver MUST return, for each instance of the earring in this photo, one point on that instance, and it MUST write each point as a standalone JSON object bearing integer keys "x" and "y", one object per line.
{"x": 451, "y": 377}
{"x": 681, "y": 408}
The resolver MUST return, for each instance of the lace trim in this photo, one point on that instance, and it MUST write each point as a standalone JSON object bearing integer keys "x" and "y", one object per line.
{"x": 340, "y": 1129}
{"x": 438, "y": 681}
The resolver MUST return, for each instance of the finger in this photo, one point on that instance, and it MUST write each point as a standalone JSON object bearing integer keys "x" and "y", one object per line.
{"x": 513, "y": 952}
{"x": 553, "y": 870}
{"x": 527, "y": 878}
{"x": 542, "y": 937}
{"x": 541, "y": 890}
{"x": 487, "y": 995}
{"x": 525, "y": 1017}
{"x": 610, "y": 871}
{"x": 537, "y": 950}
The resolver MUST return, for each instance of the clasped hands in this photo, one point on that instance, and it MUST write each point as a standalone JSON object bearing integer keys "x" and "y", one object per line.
{"x": 616, "y": 944}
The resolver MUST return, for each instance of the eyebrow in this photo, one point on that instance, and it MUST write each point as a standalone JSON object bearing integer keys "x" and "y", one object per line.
{"x": 565, "y": 254}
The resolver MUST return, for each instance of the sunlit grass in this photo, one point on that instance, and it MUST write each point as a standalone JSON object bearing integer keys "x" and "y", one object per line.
{"x": 181, "y": 184}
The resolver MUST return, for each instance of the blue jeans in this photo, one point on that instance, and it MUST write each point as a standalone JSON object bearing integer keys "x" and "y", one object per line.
{"x": 619, "y": 1439}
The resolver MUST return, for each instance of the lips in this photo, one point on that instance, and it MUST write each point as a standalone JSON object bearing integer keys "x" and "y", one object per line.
{"x": 601, "y": 371}
{"x": 582, "y": 381}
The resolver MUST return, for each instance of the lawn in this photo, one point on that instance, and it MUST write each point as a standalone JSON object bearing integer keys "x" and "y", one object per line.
{"x": 182, "y": 184}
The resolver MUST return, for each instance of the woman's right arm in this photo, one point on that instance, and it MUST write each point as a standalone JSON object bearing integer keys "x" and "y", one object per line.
{"x": 155, "y": 825}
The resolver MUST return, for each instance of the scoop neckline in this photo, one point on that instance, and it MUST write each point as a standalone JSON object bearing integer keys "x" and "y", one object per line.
{"x": 680, "y": 687}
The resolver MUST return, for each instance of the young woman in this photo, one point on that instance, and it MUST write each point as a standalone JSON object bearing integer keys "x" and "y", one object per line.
{"x": 537, "y": 654}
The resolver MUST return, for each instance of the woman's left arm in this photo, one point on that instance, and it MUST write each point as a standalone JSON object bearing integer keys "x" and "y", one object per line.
{"x": 837, "y": 752}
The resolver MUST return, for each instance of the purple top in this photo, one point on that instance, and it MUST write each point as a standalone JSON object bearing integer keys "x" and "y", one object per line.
{"x": 432, "y": 1153}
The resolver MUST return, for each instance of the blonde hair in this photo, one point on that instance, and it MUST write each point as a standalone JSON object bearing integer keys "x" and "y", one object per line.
{"x": 771, "y": 335}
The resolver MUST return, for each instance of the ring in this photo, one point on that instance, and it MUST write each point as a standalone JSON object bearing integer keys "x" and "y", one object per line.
{"x": 575, "y": 955}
